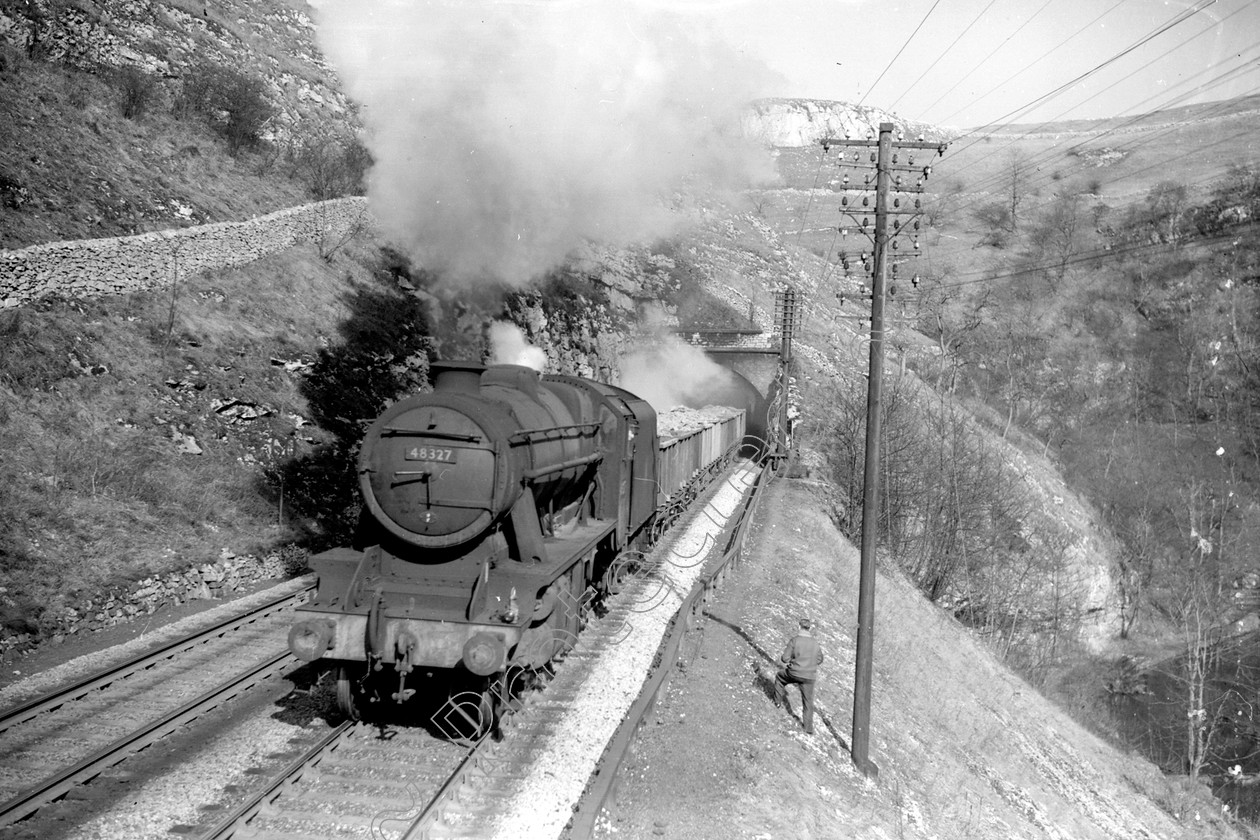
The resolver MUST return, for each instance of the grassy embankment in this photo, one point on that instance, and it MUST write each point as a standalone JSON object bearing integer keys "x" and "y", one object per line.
{"x": 148, "y": 432}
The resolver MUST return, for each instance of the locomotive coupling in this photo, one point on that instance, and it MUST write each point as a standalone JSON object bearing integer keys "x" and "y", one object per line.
{"x": 309, "y": 640}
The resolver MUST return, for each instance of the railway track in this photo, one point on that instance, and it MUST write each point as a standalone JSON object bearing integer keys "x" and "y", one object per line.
{"x": 385, "y": 782}
{"x": 382, "y": 782}
{"x": 66, "y": 737}
{"x": 357, "y": 780}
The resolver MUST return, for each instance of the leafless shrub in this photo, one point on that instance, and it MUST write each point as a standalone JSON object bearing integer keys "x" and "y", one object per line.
{"x": 331, "y": 164}
{"x": 137, "y": 91}
{"x": 957, "y": 520}
{"x": 234, "y": 103}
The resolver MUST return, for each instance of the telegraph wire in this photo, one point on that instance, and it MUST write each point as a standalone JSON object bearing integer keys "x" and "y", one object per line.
{"x": 944, "y": 52}
{"x": 1034, "y": 63}
{"x": 809, "y": 202}
{"x": 1048, "y": 154}
{"x": 1156, "y": 32}
{"x": 982, "y": 61}
{"x": 1173, "y": 22}
{"x": 1154, "y": 134}
{"x": 988, "y": 275}
{"x": 1246, "y": 132}
{"x": 900, "y": 51}
{"x": 1097, "y": 255}
{"x": 1170, "y": 103}
{"x": 1220, "y": 110}
{"x": 1176, "y": 20}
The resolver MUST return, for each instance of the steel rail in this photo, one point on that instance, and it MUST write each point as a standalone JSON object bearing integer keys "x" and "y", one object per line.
{"x": 20, "y": 714}
{"x": 52, "y": 788}
{"x": 423, "y": 822}
{"x": 241, "y": 816}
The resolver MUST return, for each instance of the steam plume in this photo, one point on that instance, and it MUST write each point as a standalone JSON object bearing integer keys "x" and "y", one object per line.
{"x": 505, "y": 134}
{"x": 674, "y": 373}
{"x": 509, "y": 346}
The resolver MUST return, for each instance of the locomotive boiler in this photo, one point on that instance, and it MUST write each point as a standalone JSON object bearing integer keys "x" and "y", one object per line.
{"x": 491, "y": 507}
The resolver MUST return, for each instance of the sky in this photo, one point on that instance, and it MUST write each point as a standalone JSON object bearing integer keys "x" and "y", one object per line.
{"x": 507, "y": 133}
{"x": 974, "y": 62}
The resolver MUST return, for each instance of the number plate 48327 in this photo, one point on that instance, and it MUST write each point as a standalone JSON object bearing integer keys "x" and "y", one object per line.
{"x": 443, "y": 454}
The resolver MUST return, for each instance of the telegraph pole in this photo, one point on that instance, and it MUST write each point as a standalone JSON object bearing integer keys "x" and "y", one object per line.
{"x": 887, "y": 164}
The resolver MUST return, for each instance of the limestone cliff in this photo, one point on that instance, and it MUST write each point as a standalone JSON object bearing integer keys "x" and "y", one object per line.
{"x": 803, "y": 122}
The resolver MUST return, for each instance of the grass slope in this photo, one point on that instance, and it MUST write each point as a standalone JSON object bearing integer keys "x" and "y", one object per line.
{"x": 966, "y": 750}
{"x": 87, "y": 172}
{"x": 148, "y": 432}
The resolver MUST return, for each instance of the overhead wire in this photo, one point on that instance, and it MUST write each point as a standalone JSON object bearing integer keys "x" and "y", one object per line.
{"x": 993, "y": 52}
{"x": 900, "y": 51}
{"x": 1152, "y": 34}
{"x": 1035, "y": 62}
{"x": 1175, "y": 21}
{"x": 985, "y": 276}
{"x": 809, "y": 202}
{"x": 1228, "y": 75}
{"x": 1159, "y": 30}
{"x": 991, "y": 274}
{"x": 988, "y": 275}
{"x": 944, "y": 52}
{"x": 1222, "y": 141}
{"x": 1155, "y": 133}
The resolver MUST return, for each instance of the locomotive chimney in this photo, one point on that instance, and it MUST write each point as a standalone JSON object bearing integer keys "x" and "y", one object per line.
{"x": 457, "y": 377}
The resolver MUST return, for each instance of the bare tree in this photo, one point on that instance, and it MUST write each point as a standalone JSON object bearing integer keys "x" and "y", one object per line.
{"x": 1199, "y": 601}
{"x": 1019, "y": 172}
{"x": 1056, "y": 237}
{"x": 952, "y": 316}
{"x": 1136, "y": 566}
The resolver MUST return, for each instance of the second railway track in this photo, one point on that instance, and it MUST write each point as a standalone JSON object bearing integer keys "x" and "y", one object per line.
{"x": 67, "y": 736}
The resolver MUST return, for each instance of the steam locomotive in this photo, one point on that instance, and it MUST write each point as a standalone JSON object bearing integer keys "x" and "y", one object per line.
{"x": 493, "y": 507}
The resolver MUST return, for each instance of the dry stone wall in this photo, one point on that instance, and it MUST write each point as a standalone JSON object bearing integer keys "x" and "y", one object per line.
{"x": 93, "y": 267}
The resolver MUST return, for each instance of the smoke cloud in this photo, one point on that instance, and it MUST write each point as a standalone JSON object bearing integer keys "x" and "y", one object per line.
{"x": 507, "y": 133}
{"x": 509, "y": 346}
{"x": 673, "y": 373}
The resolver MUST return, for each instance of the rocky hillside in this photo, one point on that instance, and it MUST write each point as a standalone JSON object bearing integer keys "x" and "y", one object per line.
{"x": 121, "y": 117}
{"x": 803, "y": 122}
{"x": 274, "y": 40}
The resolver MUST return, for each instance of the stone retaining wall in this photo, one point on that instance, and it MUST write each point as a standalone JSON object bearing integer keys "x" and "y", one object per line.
{"x": 92, "y": 267}
{"x": 228, "y": 574}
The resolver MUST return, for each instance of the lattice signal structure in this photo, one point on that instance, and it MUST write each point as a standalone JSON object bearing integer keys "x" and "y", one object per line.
{"x": 787, "y": 303}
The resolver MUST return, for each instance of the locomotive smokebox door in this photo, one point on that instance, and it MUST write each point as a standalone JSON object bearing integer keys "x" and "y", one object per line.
{"x": 432, "y": 483}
